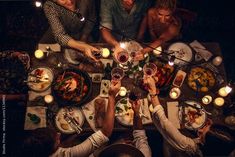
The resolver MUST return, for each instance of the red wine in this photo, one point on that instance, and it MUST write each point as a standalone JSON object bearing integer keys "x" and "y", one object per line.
{"x": 149, "y": 71}
{"x": 116, "y": 76}
{"x": 97, "y": 55}
{"x": 123, "y": 57}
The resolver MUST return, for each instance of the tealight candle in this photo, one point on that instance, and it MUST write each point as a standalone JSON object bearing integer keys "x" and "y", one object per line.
{"x": 39, "y": 54}
{"x": 217, "y": 61}
{"x": 219, "y": 101}
{"x": 48, "y": 98}
{"x": 158, "y": 50}
{"x": 105, "y": 52}
{"x": 224, "y": 91}
{"x": 122, "y": 91}
{"x": 206, "y": 99}
{"x": 174, "y": 93}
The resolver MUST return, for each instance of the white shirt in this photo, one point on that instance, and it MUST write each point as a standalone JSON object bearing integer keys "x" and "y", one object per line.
{"x": 84, "y": 149}
{"x": 172, "y": 135}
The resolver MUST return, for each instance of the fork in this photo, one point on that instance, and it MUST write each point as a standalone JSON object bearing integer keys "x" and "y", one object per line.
{"x": 76, "y": 127}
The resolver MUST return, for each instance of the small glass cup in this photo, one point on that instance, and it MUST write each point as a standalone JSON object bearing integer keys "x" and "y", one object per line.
{"x": 117, "y": 74}
{"x": 97, "y": 54}
{"x": 150, "y": 69}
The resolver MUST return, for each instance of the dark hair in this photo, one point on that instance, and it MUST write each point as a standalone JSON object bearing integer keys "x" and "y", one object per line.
{"x": 39, "y": 143}
{"x": 166, "y": 4}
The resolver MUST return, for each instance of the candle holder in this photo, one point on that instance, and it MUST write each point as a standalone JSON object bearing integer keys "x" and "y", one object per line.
{"x": 206, "y": 99}
{"x": 219, "y": 101}
{"x": 122, "y": 91}
{"x": 39, "y": 54}
{"x": 174, "y": 93}
{"x": 224, "y": 91}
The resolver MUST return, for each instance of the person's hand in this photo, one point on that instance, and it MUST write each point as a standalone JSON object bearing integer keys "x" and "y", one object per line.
{"x": 139, "y": 56}
{"x": 136, "y": 106}
{"x": 114, "y": 88}
{"x": 88, "y": 49}
{"x": 117, "y": 49}
{"x": 150, "y": 82}
{"x": 202, "y": 132}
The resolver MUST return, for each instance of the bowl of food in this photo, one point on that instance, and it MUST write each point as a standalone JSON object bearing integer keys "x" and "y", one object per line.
{"x": 72, "y": 87}
{"x": 201, "y": 79}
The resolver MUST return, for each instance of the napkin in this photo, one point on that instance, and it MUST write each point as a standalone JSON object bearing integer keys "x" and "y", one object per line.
{"x": 173, "y": 113}
{"x": 33, "y": 95}
{"x": 40, "y": 111}
{"x": 201, "y": 50}
{"x": 89, "y": 112}
{"x": 53, "y": 47}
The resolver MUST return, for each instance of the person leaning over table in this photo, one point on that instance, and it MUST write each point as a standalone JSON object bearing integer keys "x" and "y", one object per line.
{"x": 66, "y": 27}
{"x": 176, "y": 143}
{"x": 45, "y": 142}
{"x": 162, "y": 24}
{"x": 140, "y": 140}
{"x": 121, "y": 18}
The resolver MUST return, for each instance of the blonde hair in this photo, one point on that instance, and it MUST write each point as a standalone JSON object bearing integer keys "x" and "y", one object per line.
{"x": 166, "y": 4}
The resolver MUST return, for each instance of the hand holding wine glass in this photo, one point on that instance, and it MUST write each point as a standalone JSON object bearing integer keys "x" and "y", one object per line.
{"x": 117, "y": 74}
{"x": 151, "y": 84}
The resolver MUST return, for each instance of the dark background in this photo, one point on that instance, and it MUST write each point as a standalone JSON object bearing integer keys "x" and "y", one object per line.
{"x": 22, "y": 25}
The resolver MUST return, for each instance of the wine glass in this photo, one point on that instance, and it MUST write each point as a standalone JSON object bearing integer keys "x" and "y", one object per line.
{"x": 122, "y": 57}
{"x": 97, "y": 54}
{"x": 150, "y": 69}
{"x": 117, "y": 74}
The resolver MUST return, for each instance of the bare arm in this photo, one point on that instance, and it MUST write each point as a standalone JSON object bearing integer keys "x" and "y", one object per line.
{"x": 109, "y": 116}
{"x": 108, "y": 37}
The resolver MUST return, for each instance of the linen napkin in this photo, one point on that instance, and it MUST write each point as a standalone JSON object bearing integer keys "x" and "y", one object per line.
{"x": 39, "y": 111}
{"x": 173, "y": 113}
{"x": 201, "y": 51}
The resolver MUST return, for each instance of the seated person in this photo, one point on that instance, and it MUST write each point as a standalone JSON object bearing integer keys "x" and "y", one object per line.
{"x": 178, "y": 144}
{"x": 121, "y": 19}
{"x": 140, "y": 140}
{"x": 45, "y": 142}
{"x": 161, "y": 23}
{"x": 68, "y": 29}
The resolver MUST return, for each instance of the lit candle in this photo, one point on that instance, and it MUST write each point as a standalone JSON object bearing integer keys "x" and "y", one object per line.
{"x": 48, "y": 98}
{"x": 105, "y": 52}
{"x": 122, "y": 91}
{"x": 39, "y": 54}
{"x": 224, "y": 91}
{"x": 206, "y": 99}
{"x": 219, "y": 101}
{"x": 217, "y": 61}
{"x": 174, "y": 93}
{"x": 158, "y": 50}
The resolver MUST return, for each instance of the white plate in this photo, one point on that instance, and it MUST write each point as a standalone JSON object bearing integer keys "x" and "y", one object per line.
{"x": 201, "y": 120}
{"x": 182, "y": 51}
{"x": 124, "y": 113}
{"x": 60, "y": 121}
{"x": 46, "y": 77}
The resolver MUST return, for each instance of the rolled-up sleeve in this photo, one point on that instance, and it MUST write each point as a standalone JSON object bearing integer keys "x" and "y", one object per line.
{"x": 57, "y": 28}
{"x": 106, "y": 14}
{"x": 171, "y": 134}
{"x": 141, "y": 142}
{"x": 84, "y": 149}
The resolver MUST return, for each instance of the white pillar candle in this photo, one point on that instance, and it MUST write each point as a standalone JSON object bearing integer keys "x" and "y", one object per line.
{"x": 122, "y": 91}
{"x": 48, "y": 98}
{"x": 206, "y": 99}
{"x": 158, "y": 50}
{"x": 105, "y": 52}
{"x": 219, "y": 101}
{"x": 39, "y": 54}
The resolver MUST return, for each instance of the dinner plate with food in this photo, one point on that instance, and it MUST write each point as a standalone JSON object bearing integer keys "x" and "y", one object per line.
{"x": 201, "y": 79}
{"x": 72, "y": 87}
{"x": 182, "y": 51}
{"x": 69, "y": 119}
{"x": 40, "y": 79}
{"x": 125, "y": 114}
{"x": 192, "y": 115}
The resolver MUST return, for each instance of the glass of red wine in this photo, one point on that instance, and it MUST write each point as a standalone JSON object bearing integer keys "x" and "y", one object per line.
{"x": 117, "y": 74}
{"x": 150, "y": 69}
{"x": 122, "y": 57}
{"x": 97, "y": 54}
